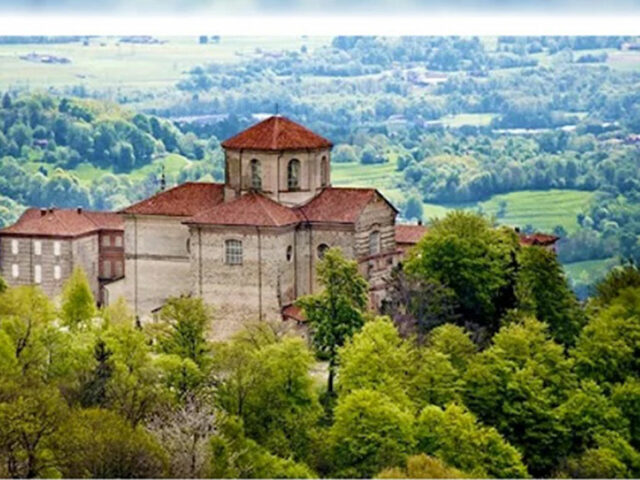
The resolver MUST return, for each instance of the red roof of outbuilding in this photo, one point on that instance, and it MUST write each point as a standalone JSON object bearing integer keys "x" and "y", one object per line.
{"x": 340, "y": 205}
{"x": 252, "y": 209}
{"x": 294, "y": 313}
{"x": 542, "y": 239}
{"x": 410, "y": 234}
{"x": 56, "y": 222}
{"x": 276, "y": 133}
{"x": 185, "y": 200}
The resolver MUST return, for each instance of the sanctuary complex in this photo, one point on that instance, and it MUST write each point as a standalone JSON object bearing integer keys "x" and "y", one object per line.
{"x": 249, "y": 246}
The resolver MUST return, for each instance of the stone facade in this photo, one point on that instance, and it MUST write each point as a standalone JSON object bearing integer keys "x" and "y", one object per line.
{"x": 156, "y": 262}
{"x": 49, "y": 261}
{"x": 279, "y": 264}
{"x": 275, "y": 174}
{"x": 20, "y": 260}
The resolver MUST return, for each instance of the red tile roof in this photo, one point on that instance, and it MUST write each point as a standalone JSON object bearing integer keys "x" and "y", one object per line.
{"x": 341, "y": 205}
{"x": 250, "y": 209}
{"x": 410, "y": 234}
{"x": 276, "y": 133}
{"x": 541, "y": 239}
{"x": 185, "y": 200}
{"x": 294, "y": 313}
{"x": 56, "y": 222}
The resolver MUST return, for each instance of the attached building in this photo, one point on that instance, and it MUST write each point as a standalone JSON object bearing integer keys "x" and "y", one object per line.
{"x": 45, "y": 245}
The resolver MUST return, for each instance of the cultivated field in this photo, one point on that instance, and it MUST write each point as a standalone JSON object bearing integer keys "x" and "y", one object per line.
{"x": 107, "y": 63}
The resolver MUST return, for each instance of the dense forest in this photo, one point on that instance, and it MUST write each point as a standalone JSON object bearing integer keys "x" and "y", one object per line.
{"x": 484, "y": 365}
{"x": 460, "y": 120}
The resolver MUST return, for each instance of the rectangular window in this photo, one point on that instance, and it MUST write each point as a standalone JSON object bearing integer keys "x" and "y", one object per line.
{"x": 57, "y": 272}
{"x": 15, "y": 270}
{"x": 118, "y": 269}
{"x": 37, "y": 274}
{"x": 56, "y": 248}
{"x": 106, "y": 241}
{"x": 106, "y": 269}
{"x": 14, "y": 246}
{"x": 118, "y": 240}
{"x": 37, "y": 247}
{"x": 233, "y": 252}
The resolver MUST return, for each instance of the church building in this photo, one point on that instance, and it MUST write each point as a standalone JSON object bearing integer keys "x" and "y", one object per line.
{"x": 250, "y": 247}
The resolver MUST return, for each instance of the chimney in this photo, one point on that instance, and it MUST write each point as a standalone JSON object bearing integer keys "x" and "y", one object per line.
{"x": 50, "y": 209}
{"x": 43, "y": 212}
{"x": 79, "y": 210}
{"x": 420, "y": 222}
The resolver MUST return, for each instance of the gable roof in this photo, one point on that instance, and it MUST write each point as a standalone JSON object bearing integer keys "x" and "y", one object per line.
{"x": 57, "y": 222}
{"x": 252, "y": 209}
{"x": 339, "y": 205}
{"x": 541, "y": 239}
{"x": 276, "y": 133}
{"x": 184, "y": 200}
{"x": 410, "y": 234}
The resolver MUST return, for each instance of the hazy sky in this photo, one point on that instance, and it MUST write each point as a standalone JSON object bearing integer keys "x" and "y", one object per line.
{"x": 236, "y": 7}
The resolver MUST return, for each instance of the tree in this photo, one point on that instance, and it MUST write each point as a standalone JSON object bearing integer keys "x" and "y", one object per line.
{"x": 26, "y": 315}
{"x": 267, "y": 384}
{"x": 610, "y": 457}
{"x": 344, "y": 154}
{"x": 413, "y": 209}
{"x": 543, "y": 291}
{"x": 607, "y": 348}
{"x": 616, "y": 280}
{"x": 587, "y": 412}
{"x": 477, "y": 262}
{"x": 626, "y": 397}
{"x": 454, "y": 436}
{"x": 418, "y": 304}
{"x": 29, "y": 423}
{"x": 78, "y": 305}
{"x": 370, "y": 432}
{"x": 185, "y": 431}
{"x": 423, "y": 466}
{"x": 335, "y": 313}
{"x": 134, "y": 389}
{"x": 6, "y": 100}
{"x": 376, "y": 358}
{"x": 454, "y": 342}
{"x": 235, "y": 456}
{"x": 94, "y": 390}
{"x": 516, "y": 385}
{"x": 183, "y": 328}
{"x": 101, "y": 444}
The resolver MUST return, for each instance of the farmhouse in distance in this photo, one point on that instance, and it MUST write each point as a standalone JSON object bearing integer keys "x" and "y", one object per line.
{"x": 249, "y": 246}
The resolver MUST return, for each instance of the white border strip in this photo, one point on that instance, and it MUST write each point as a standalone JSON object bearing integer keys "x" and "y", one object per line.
{"x": 282, "y": 25}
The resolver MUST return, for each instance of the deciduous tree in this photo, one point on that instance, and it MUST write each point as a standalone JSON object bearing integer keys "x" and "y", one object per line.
{"x": 78, "y": 305}
{"x": 335, "y": 313}
{"x": 370, "y": 432}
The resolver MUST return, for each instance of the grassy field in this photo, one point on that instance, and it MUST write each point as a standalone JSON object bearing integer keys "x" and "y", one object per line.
{"x": 589, "y": 271}
{"x": 541, "y": 209}
{"x": 86, "y": 173}
{"x": 108, "y": 64}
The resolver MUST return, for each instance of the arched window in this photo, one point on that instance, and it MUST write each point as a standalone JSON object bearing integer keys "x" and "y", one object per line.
{"x": 324, "y": 172}
{"x": 374, "y": 242}
{"x": 293, "y": 174}
{"x": 233, "y": 252}
{"x": 322, "y": 249}
{"x": 289, "y": 253}
{"x": 256, "y": 174}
